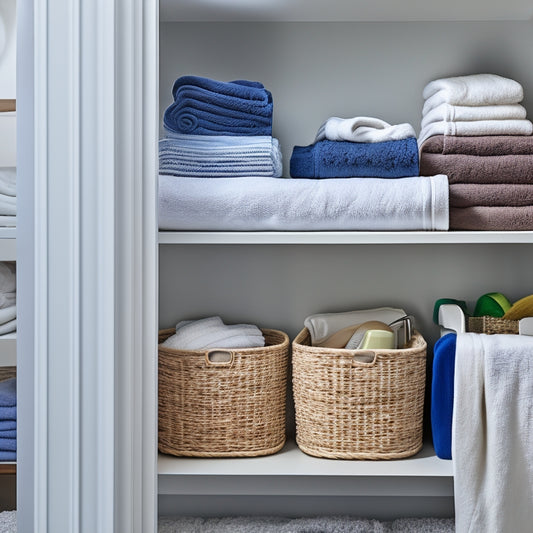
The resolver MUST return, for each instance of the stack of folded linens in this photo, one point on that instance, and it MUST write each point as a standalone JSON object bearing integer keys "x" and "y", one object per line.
{"x": 8, "y": 420}
{"x": 474, "y": 131}
{"x": 219, "y": 129}
{"x": 8, "y": 196}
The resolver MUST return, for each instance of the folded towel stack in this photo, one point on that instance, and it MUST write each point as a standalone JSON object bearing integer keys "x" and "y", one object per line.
{"x": 358, "y": 147}
{"x": 209, "y": 333}
{"x": 8, "y": 297}
{"x": 8, "y": 420}
{"x": 219, "y": 129}
{"x": 219, "y": 156}
{"x": 474, "y": 131}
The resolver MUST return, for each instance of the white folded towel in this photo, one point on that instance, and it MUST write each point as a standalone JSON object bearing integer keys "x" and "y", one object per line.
{"x": 8, "y": 327}
{"x": 7, "y": 299}
{"x": 459, "y": 113}
{"x": 8, "y": 205}
{"x": 8, "y": 221}
{"x": 8, "y": 279}
{"x": 473, "y": 90}
{"x": 492, "y": 433}
{"x": 8, "y": 181}
{"x": 323, "y": 325}
{"x": 8, "y": 314}
{"x": 363, "y": 130}
{"x": 264, "y": 204}
{"x": 211, "y": 332}
{"x": 476, "y": 128}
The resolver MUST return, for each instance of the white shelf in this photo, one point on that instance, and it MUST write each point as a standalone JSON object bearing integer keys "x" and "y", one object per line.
{"x": 291, "y": 472}
{"x": 8, "y": 350}
{"x": 342, "y": 10}
{"x": 8, "y": 244}
{"x": 344, "y": 237}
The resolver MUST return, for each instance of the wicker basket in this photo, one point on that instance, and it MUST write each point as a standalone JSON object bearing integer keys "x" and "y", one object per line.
{"x": 350, "y": 409}
{"x": 223, "y": 409}
{"x": 492, "y": 325}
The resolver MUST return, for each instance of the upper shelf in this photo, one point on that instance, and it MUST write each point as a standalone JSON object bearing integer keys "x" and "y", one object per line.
{"x": 344, "y": 237}
{"x": 343, "y": 10}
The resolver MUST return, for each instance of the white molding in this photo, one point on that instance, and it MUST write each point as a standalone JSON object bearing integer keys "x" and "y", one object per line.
{"x": 89, "y": 249}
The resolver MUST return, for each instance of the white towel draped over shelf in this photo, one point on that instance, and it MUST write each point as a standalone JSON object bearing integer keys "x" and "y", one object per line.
{"x": 492, "y": 433}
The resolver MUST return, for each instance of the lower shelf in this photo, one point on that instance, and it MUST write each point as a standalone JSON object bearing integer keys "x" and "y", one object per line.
{"x": 291, "y": 472}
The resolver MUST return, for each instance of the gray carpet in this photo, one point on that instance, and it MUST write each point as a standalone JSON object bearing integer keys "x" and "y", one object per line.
{"x": 8, "y": 522}
{"x": 340, "y": 524}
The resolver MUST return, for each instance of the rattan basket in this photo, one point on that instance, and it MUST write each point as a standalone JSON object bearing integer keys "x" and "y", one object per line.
{"x": 492, "y": 325}
{"x": 350, "y": 409}
{"x": 223, "y": 409}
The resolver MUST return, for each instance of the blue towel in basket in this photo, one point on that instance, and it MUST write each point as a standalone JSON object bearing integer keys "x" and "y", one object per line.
{"x": 343, "y": 159}
{"x": 442, "y": 394}
{"x": 208, "y": 107}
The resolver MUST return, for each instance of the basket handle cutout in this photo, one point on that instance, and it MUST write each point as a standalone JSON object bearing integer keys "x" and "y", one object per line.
{"x": 364, "y": 358}
{"x": 219, "y": 358}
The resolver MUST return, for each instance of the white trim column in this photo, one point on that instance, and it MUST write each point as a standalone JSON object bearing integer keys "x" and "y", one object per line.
{"x": 88, "y": 242}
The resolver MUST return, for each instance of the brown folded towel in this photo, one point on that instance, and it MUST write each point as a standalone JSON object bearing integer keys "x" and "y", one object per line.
{"x": 479, "y": 169}
{"x": 491, "y": 218}
{"x": 482, "y": 146}
{"x": 489, "y": 194}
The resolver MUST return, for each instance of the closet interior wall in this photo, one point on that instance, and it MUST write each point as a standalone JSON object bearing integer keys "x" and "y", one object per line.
{"x": 314, "y": 71}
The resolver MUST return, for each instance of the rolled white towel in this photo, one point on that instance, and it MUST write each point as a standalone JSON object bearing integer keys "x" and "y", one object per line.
{"x": 473, "y": 90}
{"x": 211, "y": 332}
{"x": 476, "y": 128}
{"x": 460, "y": 113}
{"x": 363, "y": 129}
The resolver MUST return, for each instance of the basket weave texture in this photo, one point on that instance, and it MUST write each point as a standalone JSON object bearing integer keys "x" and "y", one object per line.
{"x": 234, "y": 409}
{"x": 492, "y": 325}
{"x": 348, "y": 409}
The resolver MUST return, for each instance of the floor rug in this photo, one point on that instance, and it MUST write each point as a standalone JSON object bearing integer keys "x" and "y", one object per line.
{"x": 340, "y": 524}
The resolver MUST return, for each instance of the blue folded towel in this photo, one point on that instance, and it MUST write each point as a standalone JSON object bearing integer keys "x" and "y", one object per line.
{"x": 8, "y": 425}
{"x": 8, "y": 393}
{"x": 8, "y": 456}
{"x": 343, "y": 159}
{"x": 8, "y": 445}
{"x": 208, "y": 107}
{"x": 442, "y": 394}
{"x": 8, "y": 434}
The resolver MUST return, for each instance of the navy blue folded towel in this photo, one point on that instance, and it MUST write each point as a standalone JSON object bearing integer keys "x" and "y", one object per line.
{"x": 442, "y": 394}
{"x": 208, "y": 107}
{"x": 343, "y": 159}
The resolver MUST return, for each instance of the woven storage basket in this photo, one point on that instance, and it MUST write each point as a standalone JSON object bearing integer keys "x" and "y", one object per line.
{"x": 349, "y": 409}
{"x": 492, "y": 325}
{"x": 230, "y": 409}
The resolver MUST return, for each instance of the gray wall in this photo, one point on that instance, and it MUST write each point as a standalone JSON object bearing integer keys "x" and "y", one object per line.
{"x": 317, "y": 70}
